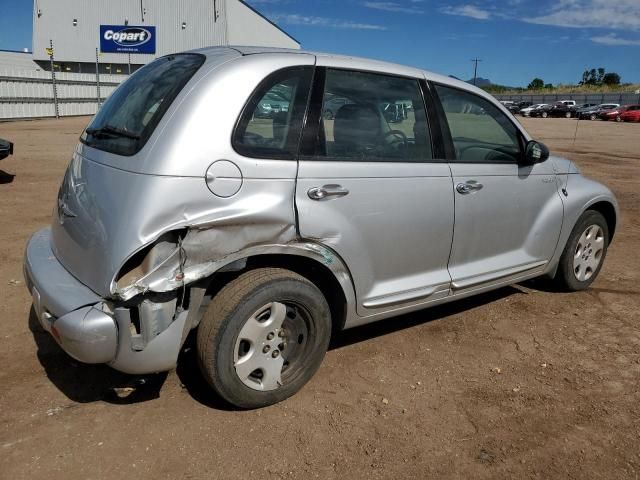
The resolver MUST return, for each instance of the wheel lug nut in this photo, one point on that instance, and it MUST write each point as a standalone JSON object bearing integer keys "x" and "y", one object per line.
{"x": 266, "y": 349}
{"x": 270, "y": 336}
{"x": 281, "y": 333}
{"x": 275, "y": 354}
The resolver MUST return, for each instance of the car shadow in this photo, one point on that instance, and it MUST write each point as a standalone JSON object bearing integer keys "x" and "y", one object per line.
{"x": 409, "y": 320}
{"x": 90, "y": 383}
{"x": 6, "y": 177}
{"x": 191, "y": 379}
{"x": 85, "y": 383}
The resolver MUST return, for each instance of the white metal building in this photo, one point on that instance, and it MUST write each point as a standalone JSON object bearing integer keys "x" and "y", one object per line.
{"x": 74, "y": 28}
{"x": 29, "y": 88}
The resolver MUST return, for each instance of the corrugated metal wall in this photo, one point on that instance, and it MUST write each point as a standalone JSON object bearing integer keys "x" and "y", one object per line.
{"x": 27, "y": 94}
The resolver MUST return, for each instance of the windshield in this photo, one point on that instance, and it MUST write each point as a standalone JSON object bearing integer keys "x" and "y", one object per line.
{"x": 129, "y": 116}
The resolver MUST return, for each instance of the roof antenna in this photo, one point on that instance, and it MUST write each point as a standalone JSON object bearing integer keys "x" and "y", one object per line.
{"x": 565, "y": 190}
{"x": 575, "y": 134}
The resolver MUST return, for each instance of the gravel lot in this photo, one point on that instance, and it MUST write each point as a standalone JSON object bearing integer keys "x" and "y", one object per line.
{"x": 519, "y": 383}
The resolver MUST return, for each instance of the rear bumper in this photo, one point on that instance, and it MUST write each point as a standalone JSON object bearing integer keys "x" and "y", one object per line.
{"x": 66, "y": 308}
{"x": 91, "y": 329}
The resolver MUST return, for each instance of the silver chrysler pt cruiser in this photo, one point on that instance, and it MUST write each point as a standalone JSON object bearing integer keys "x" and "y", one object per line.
{"x": 268, "y": 198}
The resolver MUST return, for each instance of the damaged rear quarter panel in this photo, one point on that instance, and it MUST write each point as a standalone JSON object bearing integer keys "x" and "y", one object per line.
{"x": 121, "y": 205}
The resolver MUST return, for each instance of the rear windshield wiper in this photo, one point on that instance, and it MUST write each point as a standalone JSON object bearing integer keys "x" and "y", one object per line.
{"x": 110, "y": 130}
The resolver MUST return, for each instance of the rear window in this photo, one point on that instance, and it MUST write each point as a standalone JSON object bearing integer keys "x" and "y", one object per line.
{"x": 130, "y": 115}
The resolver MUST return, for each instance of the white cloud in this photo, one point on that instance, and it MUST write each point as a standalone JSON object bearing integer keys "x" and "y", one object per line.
{"x": 394, "y": 6}
{"x": 616, "y": 14}
{"x": 467, "y": 11}
{"x": 295, "y": 19}
{"x": 613, "y": 40}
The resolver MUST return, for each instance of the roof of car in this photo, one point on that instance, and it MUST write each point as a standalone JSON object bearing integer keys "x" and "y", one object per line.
{"x": 343, "y": 60}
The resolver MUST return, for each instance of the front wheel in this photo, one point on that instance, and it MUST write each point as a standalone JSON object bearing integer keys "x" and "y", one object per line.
{"x": 593, "y": 116}
{"x": 567, "y": 115}
{"x": 544, "y": 114}
{"x": 584, "y": 252}
{"x": 263, "y": 337}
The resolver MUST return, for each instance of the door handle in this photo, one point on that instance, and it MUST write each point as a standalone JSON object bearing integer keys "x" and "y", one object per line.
{"x": 469, "y": 186}
{"x": 326, "y": 192}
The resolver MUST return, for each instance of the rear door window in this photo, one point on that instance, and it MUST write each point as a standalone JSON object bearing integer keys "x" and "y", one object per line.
{"x": 371, "y": 117}
{"x": 130, "y": 115}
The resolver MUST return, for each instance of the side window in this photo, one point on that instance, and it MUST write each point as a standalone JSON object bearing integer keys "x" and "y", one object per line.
{"x": 270, "y": 124}
{"x": 372, "y": 117}
{"x": 480, "y": 131}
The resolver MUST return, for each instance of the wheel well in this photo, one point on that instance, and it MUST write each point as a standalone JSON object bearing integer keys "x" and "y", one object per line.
{"x": 609, "y": 213}
{"x": 312, "y": 270}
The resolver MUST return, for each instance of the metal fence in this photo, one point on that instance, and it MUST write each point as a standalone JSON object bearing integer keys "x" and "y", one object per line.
{"x": 621, "y": 98}
{"x": 34, "y": 94}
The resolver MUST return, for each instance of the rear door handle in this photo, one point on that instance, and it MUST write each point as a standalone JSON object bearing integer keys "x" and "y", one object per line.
{"x": 469, "y": 186}
{"x": 327, "y": 192}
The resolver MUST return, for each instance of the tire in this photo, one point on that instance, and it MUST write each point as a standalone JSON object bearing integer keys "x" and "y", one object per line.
{"x": 567, "y": 115}
{"x": 544, "y": 114}
{"x": 593, "y": 116}
{"x": 618, "y": 119}
{"x": 255, "y": 317}
{"x": 570, "y": 278}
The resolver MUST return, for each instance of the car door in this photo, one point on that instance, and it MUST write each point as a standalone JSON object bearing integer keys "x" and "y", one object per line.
{"x": 372, "y": 191}
{"x": 507, "y": 215}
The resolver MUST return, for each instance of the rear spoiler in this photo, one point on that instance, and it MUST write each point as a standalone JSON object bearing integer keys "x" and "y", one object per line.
{"x": 6, "y": 148}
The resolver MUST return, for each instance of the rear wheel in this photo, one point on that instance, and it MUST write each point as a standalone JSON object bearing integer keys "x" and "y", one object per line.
{"x": 618, "y": 119}
{"x": 584, "y": 252}
{"x": 593, "y": 116}
{"x": 567, "y": 115}
{"x": 544, "y": 114}
{"x": 263, "y": 337}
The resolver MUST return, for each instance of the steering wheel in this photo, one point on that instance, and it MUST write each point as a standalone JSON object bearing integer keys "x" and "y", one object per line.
{"x": 399, "y": 137}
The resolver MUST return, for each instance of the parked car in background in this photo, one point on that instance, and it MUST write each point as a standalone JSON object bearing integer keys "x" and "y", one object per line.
{"x": 592, "y": 113}
{"x": 264, "y": 238}
{"x": 584, "y": 106}
{"x": 6, "y": 148}
{"x": 542, "y": 111}
{"x": 525, "y": 112}
{"x": 516, "y": 107}
{"x": 561, "y": 109}
{"x": 614, "y": 113}
{"x": 272, "y": 105}
{"x": 632, "y": 114}
{"x": 568, "y": 103}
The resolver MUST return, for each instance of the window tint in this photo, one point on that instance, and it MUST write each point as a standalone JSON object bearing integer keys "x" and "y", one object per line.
{"x": 130, "y": 115}
{"x": 480, "y": 131}
{"x": 270, "y": 123}
{"x": 372, "y": 117}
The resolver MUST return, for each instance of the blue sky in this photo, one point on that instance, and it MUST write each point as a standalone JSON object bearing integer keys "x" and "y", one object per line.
{"x": 517, "y": 40}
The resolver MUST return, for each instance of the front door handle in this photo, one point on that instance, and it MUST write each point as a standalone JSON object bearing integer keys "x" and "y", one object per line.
{"x": 326, "y": 192}
{"x": 469, "y": 186}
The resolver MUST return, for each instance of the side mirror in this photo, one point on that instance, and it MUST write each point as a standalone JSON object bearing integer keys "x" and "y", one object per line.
{"x": 6, "y": 149}
{"x": 535, "y": 152}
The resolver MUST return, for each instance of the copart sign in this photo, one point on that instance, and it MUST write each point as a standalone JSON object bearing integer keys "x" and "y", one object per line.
{"x": 127, "y": 39}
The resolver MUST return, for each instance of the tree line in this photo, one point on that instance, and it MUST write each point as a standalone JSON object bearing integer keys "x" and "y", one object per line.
{"x": 594, "y": 76}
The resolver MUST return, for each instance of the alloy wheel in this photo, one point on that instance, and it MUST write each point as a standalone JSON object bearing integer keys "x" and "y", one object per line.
{"x": 588, "y": 253}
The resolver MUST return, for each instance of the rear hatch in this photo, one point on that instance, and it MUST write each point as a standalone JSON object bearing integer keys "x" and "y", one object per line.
{"x": 100, "y": 217}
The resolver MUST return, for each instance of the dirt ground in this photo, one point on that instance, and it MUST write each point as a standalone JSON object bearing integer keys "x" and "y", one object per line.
{"x": 519, "y": 383}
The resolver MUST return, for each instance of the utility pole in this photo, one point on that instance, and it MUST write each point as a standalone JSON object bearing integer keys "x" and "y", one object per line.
{"x": 53, "y": 80}
{"x": 475, "y": 69}
{"x": 98, "y": 78}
